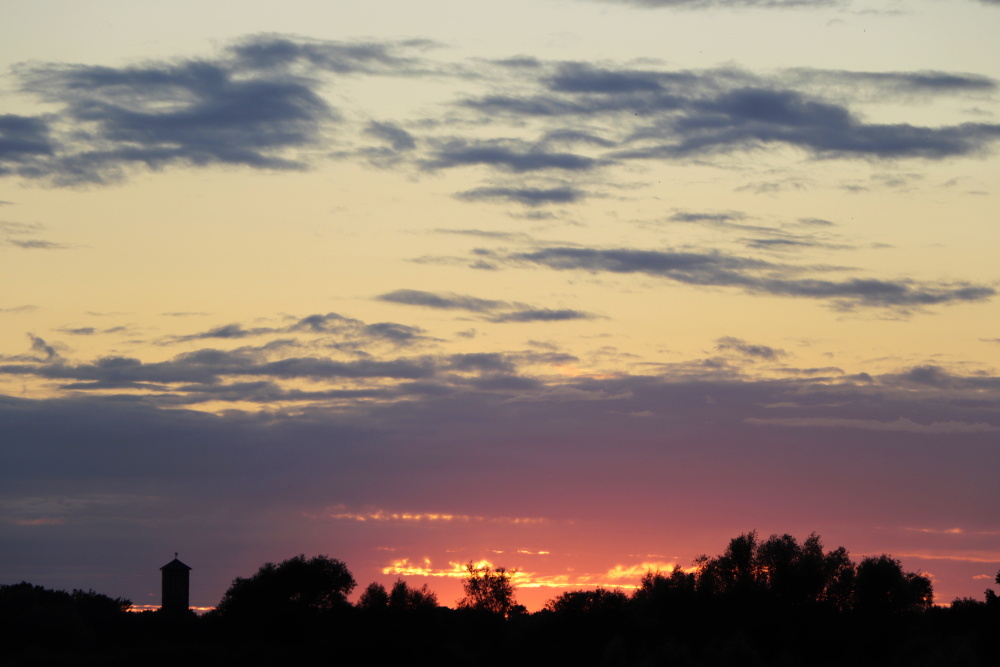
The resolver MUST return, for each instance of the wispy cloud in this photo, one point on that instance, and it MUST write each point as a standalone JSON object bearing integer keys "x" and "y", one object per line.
{"x": 525, "y": 195}
{"x": 490, "y": 309}
{"x": 755, "y": 276}
{"x": 901, "y": 425}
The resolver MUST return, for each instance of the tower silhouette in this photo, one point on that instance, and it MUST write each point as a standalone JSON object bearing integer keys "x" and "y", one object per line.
{"x": 175, "y": 576}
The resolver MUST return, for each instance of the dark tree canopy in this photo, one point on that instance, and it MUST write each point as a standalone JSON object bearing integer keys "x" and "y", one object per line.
{"x": 488, "y": 589}
{"x": 296, "y": 587}
{"x": 405, "y": 598}
{"x": 782, "y": 569}
{"x": 400, "y": 598}
{"x": 883, "y": 586}
{"x": 374, "y": 597}
{"x": 601, "y": 601}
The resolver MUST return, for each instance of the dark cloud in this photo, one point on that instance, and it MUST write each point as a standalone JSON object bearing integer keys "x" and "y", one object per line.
{"x": 541, "y": 315}
{"x": 270, "y": 52}
{"x": 195, "y": 113}
{"x": 491, "y": 310}
{"x": 348, "y": 333}
{"x": 786, "y": 244}
{"x": 448, "y": 301}
{"x": 930, "y": 376}
{"x": 526, "y": 196}
{"x": 505, "y": 154}
{"x": 233, "y": 331}
{"x": 255, "y": 106}
{"x": 714, "y": 218}
{"x": 767, "y": 238}
{"x": 487, "y": 234}
{"x": 23, "y": 140}
{"x": 480, "y": 362}
{"x": 39, "y": 346}
{"x": 683, "y": 114}
{"x": 210, "y": 366}
{"x": 728, "y": 343}
{"x": 585, "y": 78}
{"x": 757, "y": 276}
{"x": 750, "y": 118}
{"x": 398, "y": 334}
{"x": 397, "y": 137}
{"x": 79, "y": 331}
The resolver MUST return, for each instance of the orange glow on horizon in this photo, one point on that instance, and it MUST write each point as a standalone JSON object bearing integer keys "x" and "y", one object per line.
{"x": 619, "y": 576}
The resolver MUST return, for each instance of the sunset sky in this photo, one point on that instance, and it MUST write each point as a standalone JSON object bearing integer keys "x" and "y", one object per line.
{"x": 577, "y": 287}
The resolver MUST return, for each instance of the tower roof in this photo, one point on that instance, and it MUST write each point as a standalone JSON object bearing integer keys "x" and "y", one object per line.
{"x": 175, "y": 565}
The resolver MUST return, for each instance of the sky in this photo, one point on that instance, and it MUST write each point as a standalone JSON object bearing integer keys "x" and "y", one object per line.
{"x": 581, "y": 288}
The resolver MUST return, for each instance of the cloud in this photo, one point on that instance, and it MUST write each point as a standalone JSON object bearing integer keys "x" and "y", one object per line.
{"x": 351, "y": 334}
{"x": 397, "y": 137}
{"x": 195, "y": 113}
{"x": 711, "y": 218}
{"x": 15, "y": 231}
{"x": 756, "y": 276}
{"x": 447, "y": 301}
{"x": 675, "y": 115}
{"x": 492, "y": 310}
{"x": 525, "y": 195}
{"x": 256, "y": 105}
{"x": 749, "y": 118}
{"x": 38, "y": 244}
{"x": 506, "y": 154}
{"x": 39, "y": 346}
{"x": 901, "y": 425}
{"x": 541, "y": 315}
{"x": 231, "y": 331}
{"x": 209, "y": 366}
{"x": 728, "y": 343}
{"x": 917, "y": 85}
{"x": 23, "y": 140}
{"x": 480, "y": 362}
{"x": 276, "y": 52}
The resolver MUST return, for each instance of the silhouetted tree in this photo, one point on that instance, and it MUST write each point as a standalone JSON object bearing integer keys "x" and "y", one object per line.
{"x": 489, "y": 590}
{"x": 34, "y": 616}
{"x": 737, "y": 572}
{"x": 991, "y": 596}
{"x": 781, "y": 570}
{"x": 881, "y": 586}
{"x": 293, "y": 589}
{"x": 374, "y": 597}
{"x": 600, "y": 601}
{"x": 406, "y": 598}
{"x": 661, "y": 594}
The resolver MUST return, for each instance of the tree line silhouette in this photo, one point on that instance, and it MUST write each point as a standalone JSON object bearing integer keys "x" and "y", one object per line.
{"x": 760, "y": 602}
